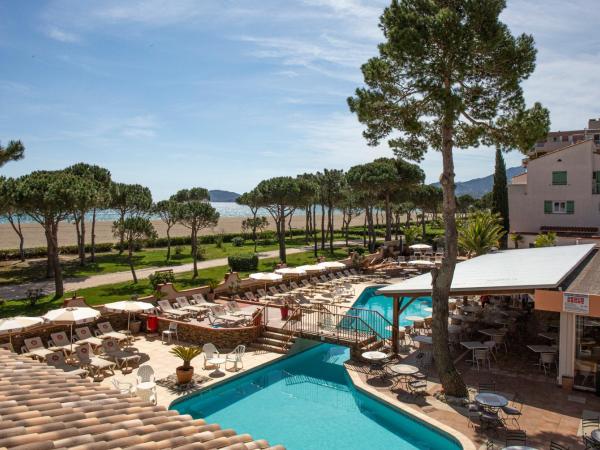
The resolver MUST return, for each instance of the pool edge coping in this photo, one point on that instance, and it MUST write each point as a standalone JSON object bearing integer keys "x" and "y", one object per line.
{"x": 430, "y": 422}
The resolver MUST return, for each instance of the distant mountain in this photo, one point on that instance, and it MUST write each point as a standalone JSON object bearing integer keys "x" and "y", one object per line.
{"x": 223, "y": 196}
{"x": 480, "y": 186}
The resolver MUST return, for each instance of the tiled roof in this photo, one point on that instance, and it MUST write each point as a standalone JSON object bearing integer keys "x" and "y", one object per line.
{"x": 42, "y": 407}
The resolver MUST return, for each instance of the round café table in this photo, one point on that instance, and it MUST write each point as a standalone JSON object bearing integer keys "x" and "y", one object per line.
{"x": 491, "y": 400}
{"x": 375, "y": 359}
{"x": 217, "y": 362}
{"x": 595, "y": 434}
{"x": 404, "y": 371}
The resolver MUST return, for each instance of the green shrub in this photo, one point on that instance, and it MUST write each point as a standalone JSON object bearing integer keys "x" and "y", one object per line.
{"x": 40, "y": 252}
{"x": 200, "y": 253}
{"x": 162, "y": 277}
{"x": 219, "y": 241}
{"x": 243, "y": 263}
{"x": 178, "y": 250}
{"x": 237, "y": 241}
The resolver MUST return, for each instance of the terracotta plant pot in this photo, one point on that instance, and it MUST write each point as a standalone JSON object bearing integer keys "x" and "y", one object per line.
{"x": 184, "y": 375}
{"x": 567, "y": 383}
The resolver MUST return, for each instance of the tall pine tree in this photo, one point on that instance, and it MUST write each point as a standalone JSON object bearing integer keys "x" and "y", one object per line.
{"x": 500, "y": 194}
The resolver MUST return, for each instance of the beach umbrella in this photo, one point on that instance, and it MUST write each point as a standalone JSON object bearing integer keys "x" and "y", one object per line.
{"x": 422, "y": 263}
{"x": 332, "y": 265}
{"x": 72, "y": 315}
{"x": 291, "y": 271}
{"x": 420, "y": 247}
{"x": 13, "y": 325}
{"x": 312, "y": 268}
{"x": 129, "y": 306}
{"x": 266, "y": 277}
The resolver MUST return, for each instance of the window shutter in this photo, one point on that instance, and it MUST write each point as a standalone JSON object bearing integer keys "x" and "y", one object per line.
{"x": 559, "y": 178}
{"x": 570, "y": 207}
{"x": 547, "y": 206}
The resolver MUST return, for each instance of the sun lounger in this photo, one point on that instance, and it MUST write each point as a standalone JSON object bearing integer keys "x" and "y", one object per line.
{"x": 283, "y": 288}
{"x": 261, "y": 292}
{"x": 121, "y": 357}
{"x": 218, "y": 313}
{"x": 323, "y": 278}
{"x": 250, "y": 296}
{"x": 60, "y": 341}
{"x": 294, "y": 285}
{"x": 199, "y": 298}
{"x": 57, "y": 359}
{"x": 185, "y": 305}
{"x": 235, "y": 310}
{"x": 92, "y": 363}
{"x": 106, "y": 331}
{"x": 273, "y": 290}
{"x": 85, "y": 336}
{"x": 7, "y": 346}
{"x": 168, "y": 310}
{"x": 35, "y": 348}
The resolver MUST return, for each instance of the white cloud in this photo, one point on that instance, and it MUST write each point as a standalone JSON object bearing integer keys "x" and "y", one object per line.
{"x": 140, "y": 127}
{"x": 62, "y": 36}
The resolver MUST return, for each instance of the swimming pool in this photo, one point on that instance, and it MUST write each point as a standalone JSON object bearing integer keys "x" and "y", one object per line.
{"x": 369, "y": 300}
{"x": 308, "y": 402}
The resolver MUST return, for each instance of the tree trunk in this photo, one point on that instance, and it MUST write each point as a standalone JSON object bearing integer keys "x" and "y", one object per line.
{"x": 423, "y": 227}
{"x": 344, "y": 227}
{"x": 82, "y": 244}
{"x": 168, "y": 241}
{"x": 52, "y": 237}
{"x": 452, "y": 382}
{"x": 388, "y": 219}
{"x": 121, "y": 233}
{"x": 78, "y": 236}
{"x": 314, "y": 229}
{"x": 195, "y": 253}
{"x": 49, "y": 256}
{"x": 371, "y": 230}
{"x": 331, "y": 229}
{"x": 365, "y": 228}
{"x": 307, "y": 225}
{"x": 93, "y": 238}
{"x": 130, "y": 257}
{"x": 17, "y": 228}
{"x": 322, "y": 227}
{"x": 281, "y": 236}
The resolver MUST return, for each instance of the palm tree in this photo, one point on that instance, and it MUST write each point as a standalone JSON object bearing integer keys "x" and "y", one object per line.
{"x": 480, "y": 233}
{"x": 545, "y": 240}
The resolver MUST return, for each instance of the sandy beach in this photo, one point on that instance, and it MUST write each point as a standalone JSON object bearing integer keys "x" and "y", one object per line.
{"x": 34, "y": 234}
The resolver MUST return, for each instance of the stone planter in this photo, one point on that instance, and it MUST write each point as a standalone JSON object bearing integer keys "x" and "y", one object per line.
{"x": 184, "y": 375}
{"x": 135, "y": 326}
{"x": 567, "y": 383}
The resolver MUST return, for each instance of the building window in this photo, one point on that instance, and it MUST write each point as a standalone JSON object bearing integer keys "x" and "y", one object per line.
{"x": 596, "y": 182}
{"x": 559, "y": 207}
{"x": 559, "y": 178}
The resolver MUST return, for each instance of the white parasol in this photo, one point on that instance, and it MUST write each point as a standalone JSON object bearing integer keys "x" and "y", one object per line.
{"x": 129, "y": 306}
{"x": 72, "y": 315}
{"x": 420, "y": 247}
{"x": 290, "y": 271}
{"x": 422, "y": 263}
{"x": 332, "y": 265}
{"x": 312, "y": 268}
{"x": 13, "y": 325}
{"x": 266, "y": 277}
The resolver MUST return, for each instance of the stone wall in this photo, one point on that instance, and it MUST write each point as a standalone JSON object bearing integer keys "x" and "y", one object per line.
{"x": 225, "y": 339}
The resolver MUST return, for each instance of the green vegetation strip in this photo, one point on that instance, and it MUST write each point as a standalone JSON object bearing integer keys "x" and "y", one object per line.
{"x": 120, "y": 291}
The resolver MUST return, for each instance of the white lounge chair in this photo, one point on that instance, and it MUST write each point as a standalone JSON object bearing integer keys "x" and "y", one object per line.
{"x": 34, "y": 347}
{"x": 60, "y": 341}
{"x": 121, "y": 357}
{"x": 218, "y": 313}
{"x": 85, "y": 336}
{"x": 167, "y": 309}
{"x": 185, "y": 305}
{"x": 57, "y": 359}
{"x": 106, "y": 331}
{"x": 93, "y": 364}
{"x": 235, "y": 357}
{"x": 209, "y": 351}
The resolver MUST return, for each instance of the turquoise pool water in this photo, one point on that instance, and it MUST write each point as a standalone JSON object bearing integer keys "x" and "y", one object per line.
{"x": 368, "y": 299}
{"x": 307, "y": 402}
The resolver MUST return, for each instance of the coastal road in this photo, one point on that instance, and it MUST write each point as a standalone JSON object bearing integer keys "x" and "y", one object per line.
{"x": 13, "y": 292}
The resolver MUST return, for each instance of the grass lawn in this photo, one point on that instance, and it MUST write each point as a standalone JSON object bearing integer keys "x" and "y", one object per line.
{"x": 122, "y": 291}
{"x": 16, "y": 272}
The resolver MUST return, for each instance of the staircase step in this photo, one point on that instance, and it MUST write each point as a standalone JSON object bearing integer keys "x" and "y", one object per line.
{"x": 269, "y": 348}
{"x": 275, "y": 342}
{"x": 274, "y": 335}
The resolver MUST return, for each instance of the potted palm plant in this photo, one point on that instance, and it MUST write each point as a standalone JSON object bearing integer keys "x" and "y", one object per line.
{"x": 186, "y": 371}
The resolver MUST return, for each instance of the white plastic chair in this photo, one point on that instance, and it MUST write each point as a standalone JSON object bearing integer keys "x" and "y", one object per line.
{"x": 482, "y": 355}
{"x": 547, "y": 360}
{"x": 210, "y": 351}
{"x": 169, "y": 333}
{"x": 236, "y": 356}
{"x": 145, "y": 374}
{"x": 123, "y": 387}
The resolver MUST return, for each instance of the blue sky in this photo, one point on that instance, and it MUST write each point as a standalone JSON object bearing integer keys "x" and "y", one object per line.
{"x": 224, "y": 93}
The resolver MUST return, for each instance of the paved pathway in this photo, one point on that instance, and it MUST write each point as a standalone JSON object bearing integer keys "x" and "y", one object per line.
{"x": 18, "y": 291}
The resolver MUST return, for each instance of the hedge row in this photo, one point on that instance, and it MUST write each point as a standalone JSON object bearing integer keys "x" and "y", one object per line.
{"x": 243, "y": 263}
{"x": 41, "y": 252}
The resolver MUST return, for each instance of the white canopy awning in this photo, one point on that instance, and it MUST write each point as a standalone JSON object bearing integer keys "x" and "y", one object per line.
{"x": 502, "y": 271}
